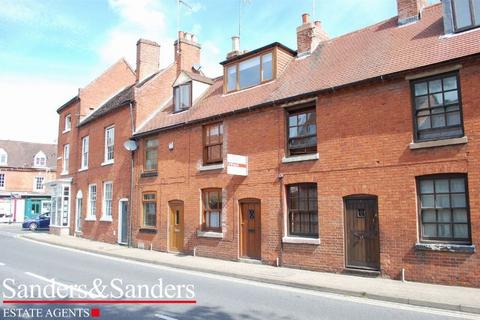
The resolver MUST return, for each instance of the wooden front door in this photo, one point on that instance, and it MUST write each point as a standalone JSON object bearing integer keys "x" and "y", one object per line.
{"x": 176, "y": 226}
{"x": 250, "y": 237}
{"x": 362, "y": 233}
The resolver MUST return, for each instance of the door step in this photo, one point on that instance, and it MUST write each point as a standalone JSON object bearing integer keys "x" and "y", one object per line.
{"x": 362, "y": 272}
{"x": 248, "y": 260}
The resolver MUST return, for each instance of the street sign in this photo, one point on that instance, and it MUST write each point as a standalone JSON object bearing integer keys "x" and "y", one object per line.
{"x": 237, "y": 165}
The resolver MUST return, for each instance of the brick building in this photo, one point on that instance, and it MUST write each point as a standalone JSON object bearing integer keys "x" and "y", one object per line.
{"x": 25, "y": 168}
{"x": 361, "y": 150}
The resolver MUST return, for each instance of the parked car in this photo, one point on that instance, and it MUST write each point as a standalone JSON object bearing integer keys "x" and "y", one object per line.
{"x": 40, "y": 222}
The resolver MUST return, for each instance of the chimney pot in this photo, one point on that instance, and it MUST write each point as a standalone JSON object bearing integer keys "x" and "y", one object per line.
{"x": 305, "y": 18}
{"x": 235, "y": 43}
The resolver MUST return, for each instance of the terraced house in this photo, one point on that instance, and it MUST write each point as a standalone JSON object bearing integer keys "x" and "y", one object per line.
{"x": 352, "y": 154}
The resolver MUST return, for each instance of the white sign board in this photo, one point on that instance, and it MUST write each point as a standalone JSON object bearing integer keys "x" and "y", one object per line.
{"x": 237, "y": 165}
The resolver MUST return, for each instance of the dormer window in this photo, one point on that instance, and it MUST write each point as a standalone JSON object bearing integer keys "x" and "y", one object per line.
{"x": 3, "y": 157}
{"x": 182, "y": 96}
{"x": 466, "y": 14}
{"x": 250, "y": 72}
{"x": 40, "y": 159}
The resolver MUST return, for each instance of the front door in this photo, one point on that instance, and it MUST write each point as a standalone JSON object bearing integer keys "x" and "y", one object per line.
{"x": 123, "y": 221}
{"x": 251, "y": 229}
{"x": 362, "y": 235}
{"x": 78, "y": 225}
{"x": 176, "y": 226}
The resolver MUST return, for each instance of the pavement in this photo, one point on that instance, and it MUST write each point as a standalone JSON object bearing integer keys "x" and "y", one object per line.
{"x": 413, "y": 293}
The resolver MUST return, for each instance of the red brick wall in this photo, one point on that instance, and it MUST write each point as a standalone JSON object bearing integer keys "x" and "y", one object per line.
{"x": 363, "y": 142}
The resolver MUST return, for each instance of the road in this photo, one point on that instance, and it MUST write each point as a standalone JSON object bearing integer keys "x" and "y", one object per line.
{"x": 217, "y": 297}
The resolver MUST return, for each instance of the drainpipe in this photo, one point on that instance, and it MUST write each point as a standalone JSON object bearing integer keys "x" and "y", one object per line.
{"x": 132, "y": 166}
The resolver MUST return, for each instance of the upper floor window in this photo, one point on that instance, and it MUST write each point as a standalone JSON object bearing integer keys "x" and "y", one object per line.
{"x": 302, "y": 210}
{"x": 213, "y": 143}
{"x": 250, "y": 72}
{"x": 109, "y": 144}
{"x": 466, "y": 14}
{"x": 2, "y": 180}
{"x": 437, "y": 108}
{"x": 66, "y": 158}
{"x": 39, "y": 183}
{"x": 151, "y": 155}
{"x": 212, "y": 209}
{"x": 443, "y": 208}
{"x": 68, "y": 123}
{"x": 40, "y": 159}
{"x": 85, "y": 147}
{"x": 302, "y": 131}
{"x": 3, "y": 157}
{"x": 182, "y": 96}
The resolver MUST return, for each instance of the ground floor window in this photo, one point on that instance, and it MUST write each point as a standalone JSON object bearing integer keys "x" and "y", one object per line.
{"x": 60, "y": 214}
{"x": 107, "y": 199}
{"x": 212, "y": 210}
{"x": 150, "y": 209}
{"x": 302, "y": 210}
{"x": 443, "y": 208}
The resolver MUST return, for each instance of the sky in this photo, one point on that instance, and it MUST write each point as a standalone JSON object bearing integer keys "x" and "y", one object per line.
{"x": 50, "y": 48}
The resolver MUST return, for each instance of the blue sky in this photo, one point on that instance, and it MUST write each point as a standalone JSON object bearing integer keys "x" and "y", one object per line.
{"x": 50, "y": 48}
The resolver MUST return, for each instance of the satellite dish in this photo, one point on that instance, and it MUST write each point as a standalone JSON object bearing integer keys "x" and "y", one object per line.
{"x": 130, "y": 145}
{"x": 197, "y": 67}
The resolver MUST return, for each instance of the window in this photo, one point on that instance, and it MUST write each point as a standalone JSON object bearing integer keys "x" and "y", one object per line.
{"x": 302, "y": 131}
{"x": 302, "y": 210}
{"x": 66, "y": 158}
{"x": 107, "y": 200}
{"x": 109, "y": 144}
{"x": 68, "y": 123}
{"x": 151, "y": 155}
{"x": 60, "y": 214}
{"x": 212, "y": 209}
{"x": 40, "y": 159}
{"x": 92, "y": 201}
{"x": 3, "y": 157}
{"x": 437, "y": 108}
{"x": 444, "y": 210}
{"x": 150, "y": 209}
{"x": 2, "y": 180}
{"x": 466, "y": 14}
{"x": 250, "y": 72}
{"x": 39, "y": 183}
{"x": 85, "y": 147}
{"x": 213, "y": 143}
{"x": 182, "y": 96}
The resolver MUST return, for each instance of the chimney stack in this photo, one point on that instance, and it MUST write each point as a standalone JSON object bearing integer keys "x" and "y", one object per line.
{"x": 410, "y": 10}
{"x": 148, "y": 58}
{"x": 309, "y": 35}
{"x": 187, "y": 51}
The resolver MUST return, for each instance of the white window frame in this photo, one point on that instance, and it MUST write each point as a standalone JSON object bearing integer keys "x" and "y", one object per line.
{"x": 40, "y": 160}
{"x": 60, "y": 215}
{"x": 68, "y": 123}
{"x": 92, "y": 203}
{"x": 85, "y": 153}
{"x": 107, "y": 216}
{"x": 106, "y": 159}
{"x": 3, "y": 180}
{"x": 66, "y": 158}
{"x": 35, "y": 183}
{"x": 3, "y": 155}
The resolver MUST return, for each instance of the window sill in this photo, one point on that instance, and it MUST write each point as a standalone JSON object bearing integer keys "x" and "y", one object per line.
{"x": 82, "y": 169}
{"x": 301, "y": 158}
{"x": 211, "y": 167}
{"x": 106, "y": 163}
{"x": 438, "y": 143}
{"x": 64, "y": 173}
{"x": 300, "y": 240}
{"x": 106, "y": 219}
{"x": 209, "y": 234}
{"x": 445, "y": 247}
{"x": 65, "y": 131}
{"x": 90, "y": 219}
{"x": 147, "y": 230}
{"x": 149, "y": 174}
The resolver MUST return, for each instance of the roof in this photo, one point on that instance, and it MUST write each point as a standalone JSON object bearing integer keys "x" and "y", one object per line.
{"x": 120, "y": 99}
{"x": 379, "y": 50}
{"x": 21, "y": 154}
{"x": 69, "y": 102}
{"x": 199, "y": 77}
